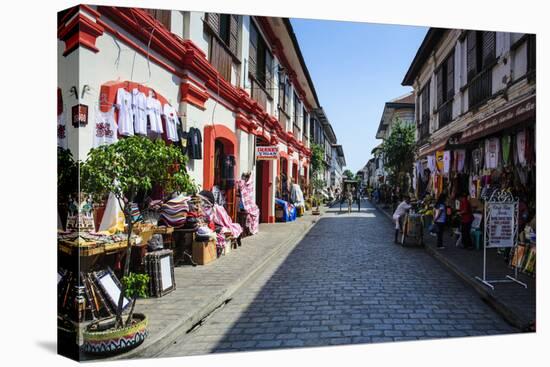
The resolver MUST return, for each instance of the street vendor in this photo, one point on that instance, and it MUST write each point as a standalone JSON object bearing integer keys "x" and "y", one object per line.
{"x": 399, "y": 212}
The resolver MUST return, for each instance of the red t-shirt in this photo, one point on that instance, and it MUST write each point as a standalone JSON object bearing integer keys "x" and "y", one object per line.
{"x": 466, "y": 211}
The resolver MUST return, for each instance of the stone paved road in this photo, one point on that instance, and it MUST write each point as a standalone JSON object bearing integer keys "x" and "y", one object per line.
{"x": 345, "y": 282}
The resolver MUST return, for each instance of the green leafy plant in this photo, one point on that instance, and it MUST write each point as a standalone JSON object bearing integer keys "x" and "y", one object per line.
{"x": 129, "y": 167}
{"x": 348, "y": 174}
{"x": 135, "y": 285}
{"x": 398, "y": 152}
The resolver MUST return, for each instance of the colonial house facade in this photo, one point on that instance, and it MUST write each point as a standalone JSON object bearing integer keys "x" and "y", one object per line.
{"x": 462, "y": 79}
{"x": 337, "y": 166}
{"x": 239, "y": 80}
{"x": 475, "y": 102}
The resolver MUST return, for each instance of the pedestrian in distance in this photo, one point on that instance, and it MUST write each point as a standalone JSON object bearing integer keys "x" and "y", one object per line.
{"x": 466, "y": 219}
{"x": 440, "y": 218}
{"x": 400, "y": 211}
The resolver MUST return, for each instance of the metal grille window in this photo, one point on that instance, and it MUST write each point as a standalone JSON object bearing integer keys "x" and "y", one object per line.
{"x": 445, "y": 90}
{"x": 480, "y": 57}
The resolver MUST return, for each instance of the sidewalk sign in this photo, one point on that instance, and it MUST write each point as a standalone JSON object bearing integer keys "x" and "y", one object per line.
{"x": 501, "y": 230}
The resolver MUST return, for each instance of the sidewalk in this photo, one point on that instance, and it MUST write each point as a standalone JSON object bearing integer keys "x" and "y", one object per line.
{"x": 515, "y": 303}
{"x": 202, "y": 289}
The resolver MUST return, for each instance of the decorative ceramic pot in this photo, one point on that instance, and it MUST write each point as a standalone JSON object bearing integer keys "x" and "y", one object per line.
{"x": 113, "y": 341}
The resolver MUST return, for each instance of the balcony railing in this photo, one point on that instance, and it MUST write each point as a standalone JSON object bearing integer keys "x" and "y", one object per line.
{"x": 480, "y": 88}
{"x": 445, "y": 113}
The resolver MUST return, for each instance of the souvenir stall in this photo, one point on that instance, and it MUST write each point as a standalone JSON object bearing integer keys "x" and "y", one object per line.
{"x": 504, "y": 160}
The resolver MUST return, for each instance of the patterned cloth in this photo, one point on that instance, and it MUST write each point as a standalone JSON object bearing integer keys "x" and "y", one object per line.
{"x": 221, "y": 218}
{"x": 173, "y": 213}
{"x": 252, "y": 210}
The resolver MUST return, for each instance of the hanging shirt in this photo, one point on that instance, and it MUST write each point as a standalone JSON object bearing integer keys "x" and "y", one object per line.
{"x": 460, "y": 157}
{"x": 139, "y": 110}
{"x": 105, "y": 129}
{"x": 446, "y": 161}
{"x": 153, "y": 109}
{"x": 506, "y": 142}
{"x": 171, "y": 122}
{"x": 492, "y": 148}
{"x": 61, "y": 131}
{"x": 125, "y": 115}
{"x": 431, "y": 163}
{"x": 439, "y": 160}
{"x": 228, "y": 171}
{"x": 194, "y": 141}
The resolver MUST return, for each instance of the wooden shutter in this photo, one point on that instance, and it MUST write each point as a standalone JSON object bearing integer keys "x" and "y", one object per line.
{"x": 471, "y": 55}
{"x": 450, "y": 76}
{"x": 253, "y": 51}
{"x": 213, "y": 20}
{"x": 531, "y": 52}
{"x": 488, "y": 48}
{"x": 163, "y": 16}
{"x": 234, "y": 34}
{"x": 439, "y": 80}
{"x": 268, "y": 71}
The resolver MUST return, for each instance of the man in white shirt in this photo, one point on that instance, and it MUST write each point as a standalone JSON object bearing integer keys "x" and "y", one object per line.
{"x": 399, "y": 212}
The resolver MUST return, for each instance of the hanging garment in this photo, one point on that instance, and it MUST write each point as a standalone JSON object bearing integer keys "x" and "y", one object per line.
{"x": 439, "y": 160}
{"x": 492, "y": 147}
{"x": 228, "y": 171}
{"x": 296, "y": 196}
{"x": 520, "y": 147}
{"x": 194, "y": 143}
{"x": 506, "y": 144}
{"x": 249, "y": 205}
{"x": 460, "y": 158}
{"x": 431, "y": 163}
{"x": 183, "y": 135}
{"x": 139, "y": 110}
{"x": 219, "y": 196}
{"x": 125, "y": 115}
{"x": 221, "y": 218}
{"x": 171, "y": 118}
{"x": 446, "y": 162}
{"x": 153, "y": 109}
{"x": 61, "y": 131}
{"x": 477, "y": 160}
{"x": 105, "y": 129}
{"x": 529, "y": 145}
{"x": 113, "y": 217}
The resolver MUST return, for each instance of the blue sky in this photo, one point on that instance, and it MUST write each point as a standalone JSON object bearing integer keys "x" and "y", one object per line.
{"x": 356, "y": 68}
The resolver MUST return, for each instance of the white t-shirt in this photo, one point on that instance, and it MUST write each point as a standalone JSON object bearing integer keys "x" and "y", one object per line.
{"x": 139, "y": 110}
{"x": 105, "y": 129}
{"x": 125, "y": 115}
{"x": 61, "y": 131}
{"x": 401, "y": 209}
{"x": 171, "y": 122}
{"x": 492, "y": 147}
{"x": 153, "y": 108}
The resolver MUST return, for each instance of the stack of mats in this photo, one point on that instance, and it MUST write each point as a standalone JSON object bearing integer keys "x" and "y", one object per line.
{"x": 174, "y": 212}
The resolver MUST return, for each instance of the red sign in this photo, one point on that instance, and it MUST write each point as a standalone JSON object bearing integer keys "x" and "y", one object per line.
{"x": 79, "y": 115}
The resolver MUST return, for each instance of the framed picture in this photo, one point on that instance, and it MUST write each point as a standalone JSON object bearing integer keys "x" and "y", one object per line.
{"x": 111, "y": 287}
{"x": 160, "y": 267}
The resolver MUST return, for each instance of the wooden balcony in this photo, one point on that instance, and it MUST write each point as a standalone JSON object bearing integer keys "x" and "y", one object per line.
{"x": 221, "y": 58}
{"x": 445, "y": 113}
{"x": 480, "y": 88}
{"x": 258, "y": 93}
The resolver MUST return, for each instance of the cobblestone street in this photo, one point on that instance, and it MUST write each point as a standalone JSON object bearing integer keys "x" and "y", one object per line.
{"x": 345, "y": 282}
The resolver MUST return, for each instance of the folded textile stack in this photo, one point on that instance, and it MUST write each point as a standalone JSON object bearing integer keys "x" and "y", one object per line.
{"x": 135, "y": 213}
{"x": 174, "y": 212}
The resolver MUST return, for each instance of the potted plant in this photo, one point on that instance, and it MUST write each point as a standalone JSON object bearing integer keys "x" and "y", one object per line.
{"x": 103, "y": 338}
{"x": 127, "y": 168}
{"x": 318, "y": 185}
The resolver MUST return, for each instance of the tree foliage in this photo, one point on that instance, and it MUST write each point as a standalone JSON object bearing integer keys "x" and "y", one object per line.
{"x": 131, "y": 166}
{"x": 348, "y": 174}
{"x": 398, "y": 151}
{"x": 317, "y": 156}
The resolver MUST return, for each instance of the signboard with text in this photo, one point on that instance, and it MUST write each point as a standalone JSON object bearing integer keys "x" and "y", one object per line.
{"x": 501, "y": 222}
{"x": 267, "y": 152}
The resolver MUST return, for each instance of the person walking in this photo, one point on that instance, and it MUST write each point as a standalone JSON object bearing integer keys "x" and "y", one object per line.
{"x": 440, "y": 218}
{"x": 466, "y": 219}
